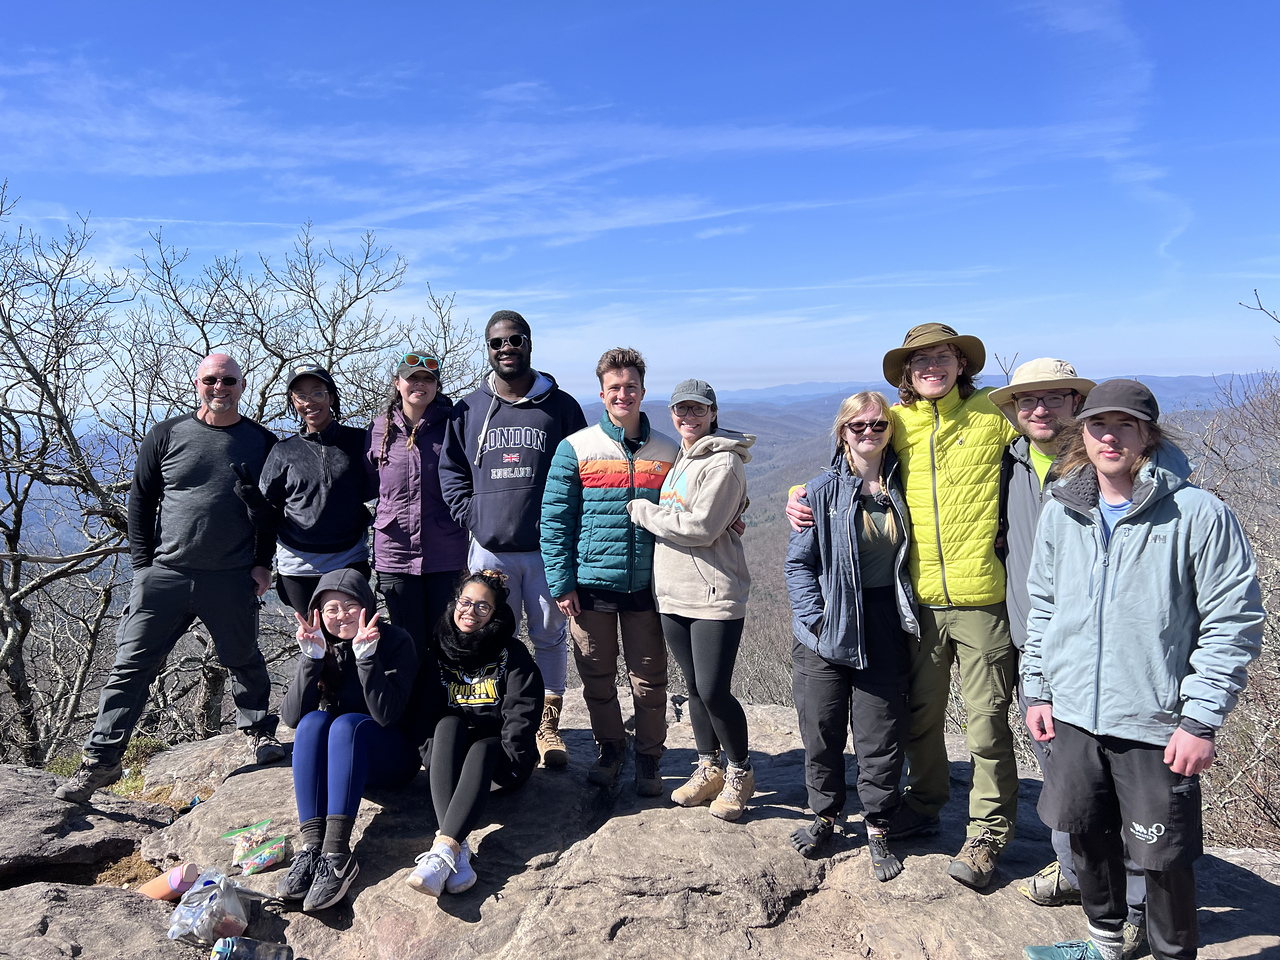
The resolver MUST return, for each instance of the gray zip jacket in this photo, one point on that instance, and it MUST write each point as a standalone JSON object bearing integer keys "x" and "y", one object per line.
{"x": 1021, "y": 500}
{"x": 1128, "y": 637}
{"x": 824, "y": 578}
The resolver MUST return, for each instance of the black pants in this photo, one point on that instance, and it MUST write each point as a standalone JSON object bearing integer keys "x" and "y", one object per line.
{"x": 297, "y": 591}
{"x": 1111, "y": 794}
{"x": 706, "y": 651}
{"x": 416, "y": 602}
{"x": 831, "y": 698}
{"x": 462, "y": 766}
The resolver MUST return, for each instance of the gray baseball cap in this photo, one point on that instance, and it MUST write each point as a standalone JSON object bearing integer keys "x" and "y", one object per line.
{"x": 695, "y": 391}
{"x": 1121, "y": 396}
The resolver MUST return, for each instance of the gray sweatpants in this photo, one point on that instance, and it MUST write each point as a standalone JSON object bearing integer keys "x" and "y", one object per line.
{"x": 162, "y": 604}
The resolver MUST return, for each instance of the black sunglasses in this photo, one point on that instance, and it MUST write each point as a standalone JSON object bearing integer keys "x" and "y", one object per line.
{"x": 875, "y": 426}
{"x": 214, "y": 381}
{"x": 516, "y": 340}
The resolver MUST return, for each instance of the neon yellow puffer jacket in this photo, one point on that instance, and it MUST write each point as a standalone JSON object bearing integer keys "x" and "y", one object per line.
{"x": 950, "y": 453}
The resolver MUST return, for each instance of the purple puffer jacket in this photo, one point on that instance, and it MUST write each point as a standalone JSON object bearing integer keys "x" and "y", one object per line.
{"x": 413, "y": 531}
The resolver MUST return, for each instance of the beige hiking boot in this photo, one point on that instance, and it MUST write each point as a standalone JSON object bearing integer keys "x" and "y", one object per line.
{"x": 707, "y": 782}
{"x": 551, "y": 747}
{"x": 976, "y": 861}
{"x": 739, "y": 787}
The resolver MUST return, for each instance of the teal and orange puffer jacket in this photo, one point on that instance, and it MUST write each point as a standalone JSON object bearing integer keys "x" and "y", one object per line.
{"x": 587, "y": 535}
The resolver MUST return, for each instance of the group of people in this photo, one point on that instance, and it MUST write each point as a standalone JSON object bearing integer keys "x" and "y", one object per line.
{"x": 1042, "y": 536}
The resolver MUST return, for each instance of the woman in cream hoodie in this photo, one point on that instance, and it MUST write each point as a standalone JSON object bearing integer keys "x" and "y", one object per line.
{"x": 701, "y": 584}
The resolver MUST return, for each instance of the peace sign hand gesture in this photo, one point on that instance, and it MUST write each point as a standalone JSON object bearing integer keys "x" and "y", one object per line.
{"x": 365, "y": 641}
{"x": 310, "y": 639}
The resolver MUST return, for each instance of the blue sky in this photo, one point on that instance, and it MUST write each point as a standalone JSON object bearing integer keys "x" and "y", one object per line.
{"x": 750, "y": 193}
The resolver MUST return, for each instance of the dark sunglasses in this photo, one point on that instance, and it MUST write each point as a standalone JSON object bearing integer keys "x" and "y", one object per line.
{"x": 214, "y": 381}
{"x": 424, "y": 360}
{"x": 516, "y": 340}
{"x": 861, "y": 426}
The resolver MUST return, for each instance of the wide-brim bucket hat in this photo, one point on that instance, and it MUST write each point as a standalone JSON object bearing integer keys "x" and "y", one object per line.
{"x": 925, "y": 335}
{"x": 1044, "y": 373}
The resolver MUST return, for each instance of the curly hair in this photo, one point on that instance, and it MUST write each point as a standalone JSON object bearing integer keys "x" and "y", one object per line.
{"x": 619, "y": 358}
{"x": 494, "y": 580}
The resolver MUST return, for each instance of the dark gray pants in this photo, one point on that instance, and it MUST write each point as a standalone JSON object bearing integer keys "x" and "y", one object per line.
{"x": 162, "y": 605}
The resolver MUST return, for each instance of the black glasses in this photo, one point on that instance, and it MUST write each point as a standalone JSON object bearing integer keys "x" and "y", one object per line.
{"x": 861, "y": 426}
{"x": 691, "y": 409}
{"x": 1051, "y": 402}
{"x": 516, "y": 340}
{"x": 423, "y": 360}
{"x": 482, "y": 608}
{"x": 214, "y": 381}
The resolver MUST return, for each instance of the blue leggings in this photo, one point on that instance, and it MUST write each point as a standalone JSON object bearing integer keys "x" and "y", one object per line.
{"x": 334, "y": 759}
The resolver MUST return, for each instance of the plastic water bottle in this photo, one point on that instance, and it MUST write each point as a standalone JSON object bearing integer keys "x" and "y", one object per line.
{"x": 242, "y": 948}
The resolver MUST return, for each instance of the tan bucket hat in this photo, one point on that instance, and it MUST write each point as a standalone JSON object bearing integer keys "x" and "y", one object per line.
{"x": 926, "y": 335}
{"x": 1042, "y": 374}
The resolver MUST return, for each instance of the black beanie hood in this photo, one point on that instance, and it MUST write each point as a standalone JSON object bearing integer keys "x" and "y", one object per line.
{"x": 351, "y": 583}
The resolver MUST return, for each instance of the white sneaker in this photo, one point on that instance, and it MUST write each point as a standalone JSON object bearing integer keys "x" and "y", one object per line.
{"x": 433, "y": 870}
{"x": 464, "y": 876}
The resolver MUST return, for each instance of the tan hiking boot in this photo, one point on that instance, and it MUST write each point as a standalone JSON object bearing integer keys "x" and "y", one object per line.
{"x": 976, "y": 861}
{"x": 551, "y": 747}
{"x": 739, "y": 787}
{"x": 1049, "y": 887}
{"x": 707, "y": 782}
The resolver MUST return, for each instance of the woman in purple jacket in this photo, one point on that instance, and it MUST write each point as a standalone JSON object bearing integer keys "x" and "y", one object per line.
{"x": 419, "y": 551}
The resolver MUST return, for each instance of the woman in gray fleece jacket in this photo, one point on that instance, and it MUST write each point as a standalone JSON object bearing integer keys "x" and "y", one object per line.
{"x": 701, "y": 583}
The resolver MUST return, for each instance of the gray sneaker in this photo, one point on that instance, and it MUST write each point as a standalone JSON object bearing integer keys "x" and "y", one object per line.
{"x": 264, "y": 748}
{"x": 1135, "y": 938}
{"x": 91, "y": 775}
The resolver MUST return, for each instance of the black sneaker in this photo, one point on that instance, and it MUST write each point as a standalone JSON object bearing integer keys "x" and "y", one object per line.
{"x": 334, "y": 873}
{"x": 264, "y": 748}
{"x": 295, "y": 884}
{"x": 884, "y": 864}
{"x": 809, "y": 841}
{"x": 648, "y": 775}
{"x": 905, "y": 823}
{"x": 91, "y": 775}
{"x": 604, "y": 772}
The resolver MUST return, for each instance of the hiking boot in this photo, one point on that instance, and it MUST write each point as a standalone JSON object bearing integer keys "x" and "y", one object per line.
{"x": 295, "y": 884}
{"x": 334, "y": 873}
{"x": 551, "y": 746}
{"x": 264, "y": 748}
{"x": 91, "y": 775}
{"x": 1071, "y": 950}
{"x": 1135, "y": 938}
{"x": 707, "y": 782}
{"x": 905, "y": 823}
{"x": 1049, "y": 887}
{"x": 464, "y": 876}
{"x": 884, "y": 864}
{"x": 648, "y": 776}
{"x": 810, "y": 840}
{"x": 976, "y": 862}
{"x": 739, "y": 787}
{"x": 433, "y": 871}
{"x": 604, "y": 772}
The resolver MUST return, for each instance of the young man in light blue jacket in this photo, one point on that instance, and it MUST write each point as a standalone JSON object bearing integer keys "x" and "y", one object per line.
{"x": 1145, "y": 614}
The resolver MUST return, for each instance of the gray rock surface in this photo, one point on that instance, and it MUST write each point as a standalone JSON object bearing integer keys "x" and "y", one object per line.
{"x": 199, "y": 768}
{"x": 39, "y": 834}
{"x": 566, "y": 870}
{"x": 44, "y": 921}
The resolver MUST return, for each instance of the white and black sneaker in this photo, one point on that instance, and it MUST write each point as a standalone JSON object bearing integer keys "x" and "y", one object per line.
{"x": 334, "y": 873}
{"x": 264, "y": 748}
{"x": 295, "y": 884}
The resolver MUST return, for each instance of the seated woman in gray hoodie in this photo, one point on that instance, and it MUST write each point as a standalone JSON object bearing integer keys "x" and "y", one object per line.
{"x": 853, "y": 617}
{"x": 701, "y": 583}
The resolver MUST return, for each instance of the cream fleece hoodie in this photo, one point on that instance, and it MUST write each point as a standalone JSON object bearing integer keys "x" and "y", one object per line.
{"x": 699, "y": 568}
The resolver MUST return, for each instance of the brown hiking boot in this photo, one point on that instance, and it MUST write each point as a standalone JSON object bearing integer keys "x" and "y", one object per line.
{"x": 551, "y": 747}
{"x": 739, "y": 787}
{"x": 976, "y": 862}
{"x": 707, "y": 782}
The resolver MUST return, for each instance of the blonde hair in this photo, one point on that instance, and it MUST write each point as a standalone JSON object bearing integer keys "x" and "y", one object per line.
{"x": 850, "y": 406}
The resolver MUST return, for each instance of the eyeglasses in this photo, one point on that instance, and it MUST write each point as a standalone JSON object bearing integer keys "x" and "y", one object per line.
{"x": 516, "y": 340}
{"x": 691, "y": 409}
{"x": 482, "y": 608}
{"x": 861, "y": 426}
{"x": 225, "y": 381}
{"x": 424, "y": 360}
{"x": 1051, "y": 402}
{"x": 934, "y": 360}
{"x": 338, "y": 609}
{"x": 316, "y": 396}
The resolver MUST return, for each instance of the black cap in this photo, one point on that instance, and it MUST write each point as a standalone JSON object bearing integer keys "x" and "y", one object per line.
{"x": 1121, "y": 396}
{"x": 311, "y": 370}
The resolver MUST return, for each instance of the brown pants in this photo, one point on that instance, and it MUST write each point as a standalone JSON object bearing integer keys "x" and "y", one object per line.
{"x": 595, "y": 651}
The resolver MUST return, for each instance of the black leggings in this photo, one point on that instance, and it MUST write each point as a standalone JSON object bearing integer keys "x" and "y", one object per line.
{"x": 297, "y": 591}
{"x": 706, "y": 651}
{"x": 462, "y": 768}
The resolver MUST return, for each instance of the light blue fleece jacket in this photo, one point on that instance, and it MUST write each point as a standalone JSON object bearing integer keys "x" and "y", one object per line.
{"x": 1128, "y": 637}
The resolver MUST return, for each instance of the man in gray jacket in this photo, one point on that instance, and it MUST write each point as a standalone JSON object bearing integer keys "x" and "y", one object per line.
{"x": 1145, "y": 614}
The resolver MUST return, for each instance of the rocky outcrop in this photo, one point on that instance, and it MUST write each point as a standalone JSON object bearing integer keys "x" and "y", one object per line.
{"x": 41, "y": 837}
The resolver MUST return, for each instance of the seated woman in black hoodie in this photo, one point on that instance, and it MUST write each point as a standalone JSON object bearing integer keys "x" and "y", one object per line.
{"x": 492, "y": 699}
{"x": 348, "y": 702}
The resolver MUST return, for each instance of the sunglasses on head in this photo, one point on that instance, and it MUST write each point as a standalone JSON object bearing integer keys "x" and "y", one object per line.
{"x": 516, "y": 340}
{"x": 424, "y": 360}
{"x": 214, "y": 381}
{"x": 861, "y": 426}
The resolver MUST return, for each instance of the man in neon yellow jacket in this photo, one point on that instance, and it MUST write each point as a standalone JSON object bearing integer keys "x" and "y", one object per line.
{"x": 950, "y": 439}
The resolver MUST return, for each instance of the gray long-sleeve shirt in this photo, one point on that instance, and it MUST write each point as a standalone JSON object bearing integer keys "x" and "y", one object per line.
{"x": 183, "y": 508}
